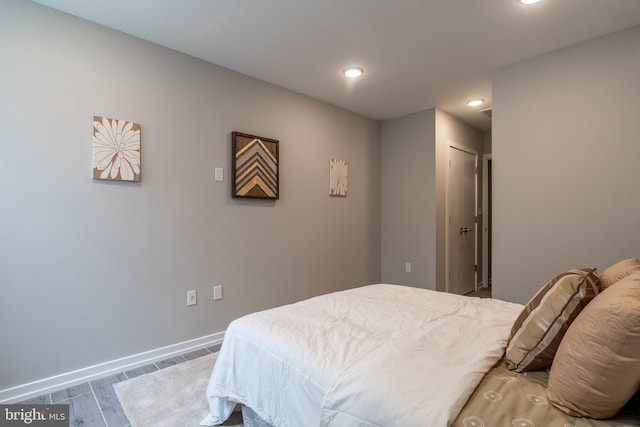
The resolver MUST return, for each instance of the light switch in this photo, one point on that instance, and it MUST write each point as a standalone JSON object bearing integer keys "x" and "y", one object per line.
{"x": 219, "y": 175}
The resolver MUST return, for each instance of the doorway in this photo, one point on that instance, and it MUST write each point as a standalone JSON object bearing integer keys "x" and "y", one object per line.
{"x": 462, "y": 237}
{"x": 486, "y": 220}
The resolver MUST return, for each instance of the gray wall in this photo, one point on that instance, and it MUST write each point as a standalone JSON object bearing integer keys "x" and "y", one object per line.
{"x": 91, "y": 271}
{"x": 408, "y": 200}
{"x": 565, "y": 162}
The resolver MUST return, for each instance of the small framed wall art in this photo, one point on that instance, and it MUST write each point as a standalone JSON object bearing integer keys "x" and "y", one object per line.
{"x": 116, "y": 149}
{"x": 338, "y": 177}
{"x": 255, "y": 167}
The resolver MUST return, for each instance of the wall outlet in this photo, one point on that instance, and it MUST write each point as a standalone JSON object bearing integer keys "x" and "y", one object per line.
{"x": 217, "y": 292}
{"x": 192, "y": 297}
{"x": 407, "y": 267}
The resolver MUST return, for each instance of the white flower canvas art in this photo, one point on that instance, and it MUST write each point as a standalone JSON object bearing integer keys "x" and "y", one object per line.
{"x": 116, "y": 149}
{"x": 338, "y": 174}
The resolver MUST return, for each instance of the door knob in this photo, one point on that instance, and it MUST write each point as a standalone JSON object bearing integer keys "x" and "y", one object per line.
{"x": 464, "y": 230}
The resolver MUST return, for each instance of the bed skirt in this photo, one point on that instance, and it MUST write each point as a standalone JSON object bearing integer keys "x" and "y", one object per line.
{"x": 251, "y": 419}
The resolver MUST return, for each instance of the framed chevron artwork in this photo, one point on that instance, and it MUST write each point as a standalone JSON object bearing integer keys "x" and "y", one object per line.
{"x": 255, "y": 167}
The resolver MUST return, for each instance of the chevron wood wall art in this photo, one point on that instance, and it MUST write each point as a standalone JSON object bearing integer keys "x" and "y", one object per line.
{"x": 255, "y": 167}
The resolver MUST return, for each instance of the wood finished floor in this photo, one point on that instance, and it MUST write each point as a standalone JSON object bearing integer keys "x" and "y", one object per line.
{"x": 482, "y": 293}
{"x": 95, "y": 404}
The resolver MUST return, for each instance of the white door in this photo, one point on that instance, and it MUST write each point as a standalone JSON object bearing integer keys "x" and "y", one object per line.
{"x": 462, "y": 227}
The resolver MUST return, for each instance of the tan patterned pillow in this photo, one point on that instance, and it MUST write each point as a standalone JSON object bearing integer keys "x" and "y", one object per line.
{"x": 537, "y": 332}
{"x": 619, "y": 271}
{"x": 597, "y": 366}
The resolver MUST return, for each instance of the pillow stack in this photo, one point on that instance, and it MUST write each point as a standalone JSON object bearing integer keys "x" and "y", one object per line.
{"x": 619, "y": 271}
{"x": 596, "y": 369}
{"x": 538, "y": 331}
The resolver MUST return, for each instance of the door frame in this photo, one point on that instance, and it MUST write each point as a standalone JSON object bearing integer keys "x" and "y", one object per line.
{"x": 452, "y": 144}
{"x": 486, "y": 226}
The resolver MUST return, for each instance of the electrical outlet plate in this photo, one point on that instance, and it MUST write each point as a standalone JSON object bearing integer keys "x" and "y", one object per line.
{"x": 192, "y": 297}
{"x": 219, "y": 174}
{"x": 217, "y": 292}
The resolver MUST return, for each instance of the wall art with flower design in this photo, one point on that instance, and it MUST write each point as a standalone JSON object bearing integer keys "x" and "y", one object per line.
{"x": 116, "y": 149}
{"x": 338, "y": 174}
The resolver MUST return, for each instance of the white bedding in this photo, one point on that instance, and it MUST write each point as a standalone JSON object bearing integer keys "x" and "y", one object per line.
{"x": 379, "y": 355}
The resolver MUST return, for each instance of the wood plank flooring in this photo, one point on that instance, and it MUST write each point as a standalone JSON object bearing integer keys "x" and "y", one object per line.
{"x": 482, "y": 293}
{"x": 95, "y": 404}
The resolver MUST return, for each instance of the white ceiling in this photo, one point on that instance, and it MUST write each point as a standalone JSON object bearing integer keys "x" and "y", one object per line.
{"x": 417, "y": 54}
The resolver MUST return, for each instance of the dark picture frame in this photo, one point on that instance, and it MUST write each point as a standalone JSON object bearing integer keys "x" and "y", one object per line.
{"x": 255, "y": 167}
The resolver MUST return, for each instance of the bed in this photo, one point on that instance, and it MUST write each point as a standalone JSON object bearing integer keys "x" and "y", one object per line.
{"x": 379, "y": 355}
{"x": 507, "y": 398}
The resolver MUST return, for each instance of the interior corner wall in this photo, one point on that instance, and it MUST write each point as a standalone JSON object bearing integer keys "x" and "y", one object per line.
{"x": 565, "y": 163}
{"x": 450, "y": 129}
{"x": 487, "y": 143}
{"x": 408, "y": 200}
{"x": 92, "y": 271}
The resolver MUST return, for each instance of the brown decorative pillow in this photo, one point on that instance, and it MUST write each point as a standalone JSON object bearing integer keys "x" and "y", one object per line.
{"x": 597, "y": 367}
{"x": 619, "y": 271}
{"x": 537, "y": 332}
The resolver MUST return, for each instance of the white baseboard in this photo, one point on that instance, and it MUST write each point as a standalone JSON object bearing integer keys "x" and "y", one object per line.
{"x": 79, "y": 376}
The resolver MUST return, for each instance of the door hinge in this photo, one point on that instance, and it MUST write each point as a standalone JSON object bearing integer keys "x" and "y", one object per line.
{"x": 475, "y": 268}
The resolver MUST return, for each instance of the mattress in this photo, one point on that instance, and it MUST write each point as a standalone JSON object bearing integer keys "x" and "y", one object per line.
{"x": 379, "y": 355}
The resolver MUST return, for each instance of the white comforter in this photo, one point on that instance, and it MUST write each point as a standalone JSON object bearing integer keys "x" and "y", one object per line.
{"x": 379, "y": 355}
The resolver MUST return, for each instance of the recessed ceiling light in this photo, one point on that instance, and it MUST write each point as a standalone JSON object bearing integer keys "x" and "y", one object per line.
{"x": 528, "y": 1}
{"x": 475, "y": 102}
{"x": 353, "y": 72}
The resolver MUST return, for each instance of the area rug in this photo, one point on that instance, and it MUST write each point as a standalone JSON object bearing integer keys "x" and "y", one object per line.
{"x": 170, "y": 397}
